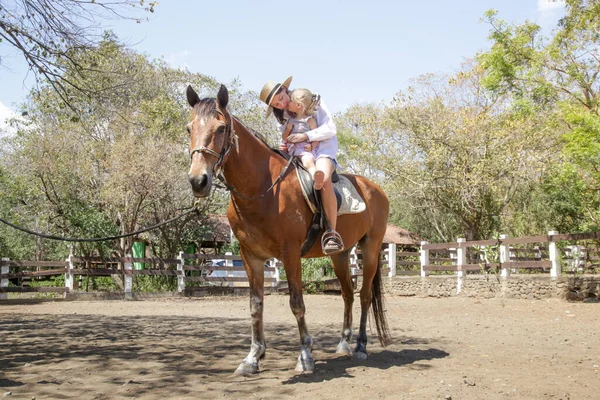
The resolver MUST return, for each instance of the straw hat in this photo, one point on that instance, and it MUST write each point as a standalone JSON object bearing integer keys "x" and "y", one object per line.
{"x": 270, "y": 89}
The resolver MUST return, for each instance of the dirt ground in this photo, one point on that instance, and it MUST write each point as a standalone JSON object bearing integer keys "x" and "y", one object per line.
{"x": 451, "y": 348}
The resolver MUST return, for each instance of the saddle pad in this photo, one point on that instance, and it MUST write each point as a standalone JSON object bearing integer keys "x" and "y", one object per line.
{"x": 351, "y": 202}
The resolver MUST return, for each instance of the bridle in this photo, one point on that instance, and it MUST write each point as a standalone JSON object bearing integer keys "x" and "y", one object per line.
{"x": 232, "y": 139}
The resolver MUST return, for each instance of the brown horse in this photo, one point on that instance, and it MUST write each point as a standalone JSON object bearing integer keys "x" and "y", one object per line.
{"x": 270, "y": 219}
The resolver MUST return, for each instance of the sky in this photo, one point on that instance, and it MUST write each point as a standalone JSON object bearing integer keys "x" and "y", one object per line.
{"x": 348, "y": 51}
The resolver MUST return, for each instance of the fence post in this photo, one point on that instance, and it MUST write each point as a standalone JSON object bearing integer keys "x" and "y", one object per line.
{"x": 461, "y": 260}
{"x": 69, "y": 274}
{"x": 4, "y": 281}
{"x": 353, "y": 261}
{"x": 273, "y": 263}
{"x": 391, "y": 258}
{"x": 504, "y": 257}
{"x": 553, "y": 252}
{"x": 128, "y": 277}
{"x": 424, "y": 259}
{"x": 229, "y": 263}
{"x": 180, "y": 273}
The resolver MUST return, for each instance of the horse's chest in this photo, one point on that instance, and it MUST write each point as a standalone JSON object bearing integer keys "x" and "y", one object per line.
{"x": 267, "y": 232}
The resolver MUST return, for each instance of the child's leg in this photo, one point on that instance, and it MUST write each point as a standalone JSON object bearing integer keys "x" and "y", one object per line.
{"x": 308, "y": 160}
{"x": 318, "y": 176}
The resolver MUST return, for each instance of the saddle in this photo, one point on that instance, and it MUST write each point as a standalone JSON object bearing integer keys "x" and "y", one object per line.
{"x": 348, "y": 202}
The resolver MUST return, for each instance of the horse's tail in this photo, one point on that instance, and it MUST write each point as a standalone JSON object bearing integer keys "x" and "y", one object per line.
{"x": 377, "y": 305}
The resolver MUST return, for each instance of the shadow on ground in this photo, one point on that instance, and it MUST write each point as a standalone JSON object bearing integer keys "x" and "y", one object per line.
{"x": 50, "y": 355}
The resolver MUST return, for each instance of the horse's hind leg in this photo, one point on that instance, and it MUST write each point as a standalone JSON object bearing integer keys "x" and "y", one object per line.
{"x": 342, "y": 271}
{"x": 371, "y": 294}
{"x": 255, "y": 270}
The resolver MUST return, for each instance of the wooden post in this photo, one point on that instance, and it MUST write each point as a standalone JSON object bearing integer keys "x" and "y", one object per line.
{"x": 553, "y": 252}
{"x": 128, "y": 277}
{"x": 229, "y": 263}
{"x": 353, "y": 261}
{"x": 424, "y": 259}
{"x": 181, "y": 273}
{"x": 69, "y": 274}
{"x": 4, "y": 281}
{"x": 391, "y": 258}
{"x": 273, "y": 264}
{"x": 461, "y": 260}
{"x": 504, "y": 257}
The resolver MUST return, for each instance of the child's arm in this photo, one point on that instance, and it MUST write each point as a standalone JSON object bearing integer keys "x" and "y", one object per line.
{"x": 312, "y": 124}
{"x": 287, "y": 131}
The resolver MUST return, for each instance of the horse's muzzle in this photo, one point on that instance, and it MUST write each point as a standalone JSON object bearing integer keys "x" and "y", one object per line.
{"x": 201, "y": 184}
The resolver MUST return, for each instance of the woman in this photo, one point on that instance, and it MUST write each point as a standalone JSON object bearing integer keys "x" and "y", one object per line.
{"x": 276, "y": 97}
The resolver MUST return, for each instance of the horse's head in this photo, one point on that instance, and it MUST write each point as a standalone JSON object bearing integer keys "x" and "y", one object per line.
{"x": 210, "y": 138}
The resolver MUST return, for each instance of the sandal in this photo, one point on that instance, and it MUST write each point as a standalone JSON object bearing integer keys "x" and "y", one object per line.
{"x": 318, "y": 179}
{"x": 331, "y": 242}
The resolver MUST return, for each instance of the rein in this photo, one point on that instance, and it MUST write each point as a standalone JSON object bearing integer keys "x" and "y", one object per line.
{"x": 233, "y": 139}
{"x": 190, "y": 210}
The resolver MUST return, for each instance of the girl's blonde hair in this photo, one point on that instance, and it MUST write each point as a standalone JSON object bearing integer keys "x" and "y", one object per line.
{"x": 305, "y": 97}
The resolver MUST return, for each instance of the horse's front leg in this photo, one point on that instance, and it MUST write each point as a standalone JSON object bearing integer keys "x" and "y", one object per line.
{"x": 293, "y": 271}
{"x": 256, "y": 278}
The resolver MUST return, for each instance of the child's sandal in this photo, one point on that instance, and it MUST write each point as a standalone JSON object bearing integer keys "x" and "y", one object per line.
{"x": 319, "y": 179}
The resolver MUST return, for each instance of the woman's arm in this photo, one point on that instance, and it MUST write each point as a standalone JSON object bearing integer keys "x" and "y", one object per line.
{"x": 326, "y": 126}
{"x": 312, "y": 124}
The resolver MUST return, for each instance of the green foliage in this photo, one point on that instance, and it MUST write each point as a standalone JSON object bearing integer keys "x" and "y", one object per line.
{"x": 108, "y": 164}
{"x": 99, "y": 283}
{"x": 233, "y": 247}
{"x": 313, "y": 272}
{"x": 556, "y": 76}
{"x": 154, "y": 283}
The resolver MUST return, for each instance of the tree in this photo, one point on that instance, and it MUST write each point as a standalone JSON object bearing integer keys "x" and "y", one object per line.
{"x": 557, "y": 75}
{"x": 49, "y": 34}
{"x": 450, "y": 154}
{"x": 120, "y": 163}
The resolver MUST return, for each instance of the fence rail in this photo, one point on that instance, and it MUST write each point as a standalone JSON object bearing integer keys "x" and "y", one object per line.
{"x": 504, "y": 256}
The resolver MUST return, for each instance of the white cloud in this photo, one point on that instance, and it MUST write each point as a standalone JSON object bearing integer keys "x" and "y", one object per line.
{"x": 5, "y": 114}
{"x": 179, "y": 60}
{"x": 550, "y": 9}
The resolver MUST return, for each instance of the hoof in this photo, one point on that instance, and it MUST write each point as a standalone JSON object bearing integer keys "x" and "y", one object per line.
{"x": 343, "y": 348}
{"x": 305, "y": 365}
{"x": 359, "y": 355}
{"x": 246, "y": 369}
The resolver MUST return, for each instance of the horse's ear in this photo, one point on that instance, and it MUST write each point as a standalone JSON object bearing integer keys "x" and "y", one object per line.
{"x": 192, "y": 96}
{"x": 223, "y": 97}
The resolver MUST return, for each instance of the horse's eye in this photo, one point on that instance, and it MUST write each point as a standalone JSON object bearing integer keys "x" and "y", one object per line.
{"x": 221, "y": 130}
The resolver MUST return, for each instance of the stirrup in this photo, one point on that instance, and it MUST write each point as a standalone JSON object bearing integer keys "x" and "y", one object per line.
{"x": 331, "y": 242}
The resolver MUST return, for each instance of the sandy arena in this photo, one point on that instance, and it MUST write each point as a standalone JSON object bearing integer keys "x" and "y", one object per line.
{"x": 451, "y": 348}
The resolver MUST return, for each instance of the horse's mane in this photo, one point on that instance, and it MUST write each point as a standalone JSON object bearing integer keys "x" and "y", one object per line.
{"x": 207, "y": 107}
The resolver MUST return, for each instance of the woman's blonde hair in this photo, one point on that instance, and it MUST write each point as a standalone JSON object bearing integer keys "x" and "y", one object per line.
{"x": 305, "y": 97}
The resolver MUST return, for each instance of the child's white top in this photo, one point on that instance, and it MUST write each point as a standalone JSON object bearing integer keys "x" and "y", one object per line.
{"x": 325, "y": 133}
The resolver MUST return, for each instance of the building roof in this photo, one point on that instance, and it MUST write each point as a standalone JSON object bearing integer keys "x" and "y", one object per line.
{"x": 219, "y": 229}
{"x": 395, "y": 234}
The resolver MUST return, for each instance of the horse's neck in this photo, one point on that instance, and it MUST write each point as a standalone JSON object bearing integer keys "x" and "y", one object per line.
{"x": 247, "y": 167}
